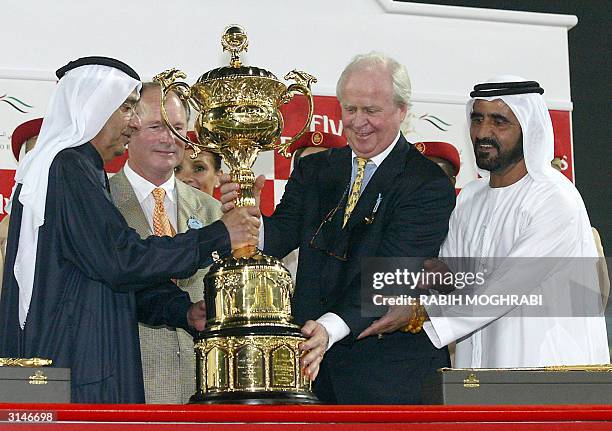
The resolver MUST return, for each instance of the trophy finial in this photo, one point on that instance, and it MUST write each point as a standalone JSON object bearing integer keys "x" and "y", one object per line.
{"x": 235, "y": 41}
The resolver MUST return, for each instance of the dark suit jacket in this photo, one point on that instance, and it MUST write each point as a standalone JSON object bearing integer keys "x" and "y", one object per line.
{"x": 416, "y": 200}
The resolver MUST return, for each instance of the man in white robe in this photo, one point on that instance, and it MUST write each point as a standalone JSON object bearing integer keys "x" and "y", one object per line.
{"x": 526, "y": 224}
{"x": 525, "y": 209}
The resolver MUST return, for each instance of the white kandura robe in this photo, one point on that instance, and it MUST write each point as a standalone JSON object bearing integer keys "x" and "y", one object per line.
{"x": 526, "y": 219}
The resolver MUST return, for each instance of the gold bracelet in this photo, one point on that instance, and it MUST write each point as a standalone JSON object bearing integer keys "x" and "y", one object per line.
{"x": 415, "y": 324}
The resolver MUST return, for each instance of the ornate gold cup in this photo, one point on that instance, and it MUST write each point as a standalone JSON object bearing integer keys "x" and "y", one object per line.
{"x": 249, "y": 351}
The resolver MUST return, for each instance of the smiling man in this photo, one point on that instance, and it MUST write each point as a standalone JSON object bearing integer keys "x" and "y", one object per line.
{"x": 525, "y": 225}
{"x": 167, "y": 353}
{"x": 376, "y": 197}
{"x": 498, "y": 142}
{"x": 530, "y": 220}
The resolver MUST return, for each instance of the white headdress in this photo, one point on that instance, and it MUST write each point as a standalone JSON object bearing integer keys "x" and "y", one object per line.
{"x": 528, "y": 105}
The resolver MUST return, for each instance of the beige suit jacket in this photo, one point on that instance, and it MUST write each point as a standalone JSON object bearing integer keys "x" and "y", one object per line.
{"x": 168, "y": 360}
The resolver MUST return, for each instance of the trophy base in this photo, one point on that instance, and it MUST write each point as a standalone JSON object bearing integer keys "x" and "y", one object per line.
{"x": 258, "y": 397}
{"x": 250, "y": 351}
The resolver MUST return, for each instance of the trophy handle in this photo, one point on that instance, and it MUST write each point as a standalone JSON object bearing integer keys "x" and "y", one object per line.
{"x": 167, "y": 84}
{"x": 180, "y": 89}
{"x": 302, "y": 85}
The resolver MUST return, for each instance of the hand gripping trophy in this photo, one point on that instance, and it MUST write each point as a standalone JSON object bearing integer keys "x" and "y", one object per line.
{"x": 249, "y": 351}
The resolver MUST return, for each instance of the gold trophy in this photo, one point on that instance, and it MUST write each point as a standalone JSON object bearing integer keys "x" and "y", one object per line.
{"x": 248, "y": 352}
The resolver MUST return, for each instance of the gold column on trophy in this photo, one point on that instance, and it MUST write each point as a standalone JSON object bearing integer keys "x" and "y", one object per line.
{"x": 249, "y": 351}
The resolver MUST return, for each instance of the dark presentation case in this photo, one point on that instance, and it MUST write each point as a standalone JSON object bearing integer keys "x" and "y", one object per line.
{"x": 34, "y": 385}
{"x": 548, "y": 385}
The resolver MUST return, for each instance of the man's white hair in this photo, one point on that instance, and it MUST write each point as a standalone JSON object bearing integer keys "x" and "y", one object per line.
{"x": 402, "y": 89}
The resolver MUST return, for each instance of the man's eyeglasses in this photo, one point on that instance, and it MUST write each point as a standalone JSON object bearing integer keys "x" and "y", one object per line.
{"x": 322, "y": 241}
{"x": 128, "y": 110}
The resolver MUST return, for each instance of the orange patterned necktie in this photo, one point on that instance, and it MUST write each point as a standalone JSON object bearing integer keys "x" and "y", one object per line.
{"x": 355, "y": 189}
{"x": 161, "y": 223}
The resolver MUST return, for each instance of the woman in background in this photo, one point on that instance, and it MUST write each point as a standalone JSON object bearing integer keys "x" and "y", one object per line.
{"x": 202, "y": 172}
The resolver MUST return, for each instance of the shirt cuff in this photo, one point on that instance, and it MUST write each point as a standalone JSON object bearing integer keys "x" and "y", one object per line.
{"x": 437, "y": 327}
{"x": 336, "y": 328}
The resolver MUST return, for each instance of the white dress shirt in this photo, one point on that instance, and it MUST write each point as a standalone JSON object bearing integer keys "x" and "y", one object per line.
{"x": 143, "y": 188}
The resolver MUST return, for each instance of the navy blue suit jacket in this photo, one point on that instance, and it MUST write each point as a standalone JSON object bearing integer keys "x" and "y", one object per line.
{"x": 416, "y": 200}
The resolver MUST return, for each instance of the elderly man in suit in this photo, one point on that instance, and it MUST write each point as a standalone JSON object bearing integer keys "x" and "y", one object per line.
{"x": 377, "y": 197}
{"x": 142, "y": 190}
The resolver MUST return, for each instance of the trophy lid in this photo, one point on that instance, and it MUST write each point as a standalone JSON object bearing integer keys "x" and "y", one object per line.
{"x": 235, "y": 41}
{"x": 227, "y": 71}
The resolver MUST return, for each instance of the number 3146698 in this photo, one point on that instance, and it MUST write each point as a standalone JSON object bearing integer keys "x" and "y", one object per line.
{"x": 28, "y": 416}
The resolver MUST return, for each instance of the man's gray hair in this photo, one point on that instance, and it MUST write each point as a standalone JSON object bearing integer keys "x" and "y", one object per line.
{"x": 402, "y": 90}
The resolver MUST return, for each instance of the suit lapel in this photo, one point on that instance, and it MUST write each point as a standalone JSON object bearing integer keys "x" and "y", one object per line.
{"x": 393, "y": 165}
{"x": 192, "y": 203}
{"x": 187, "y": 205}
{"x": 185, "y": 208}
{"x": 334, "y": 181}
{"x": 127, "y": 202}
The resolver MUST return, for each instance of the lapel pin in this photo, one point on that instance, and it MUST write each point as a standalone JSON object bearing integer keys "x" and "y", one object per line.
{"x": 377, "y": 204}
{"x": 370, "y": 219}
{"x": 194, "y": 223}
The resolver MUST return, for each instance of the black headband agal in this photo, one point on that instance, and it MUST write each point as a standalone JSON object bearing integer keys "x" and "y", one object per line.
{"x": 506, "y": 88}
{"x": 102, "y": 61}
